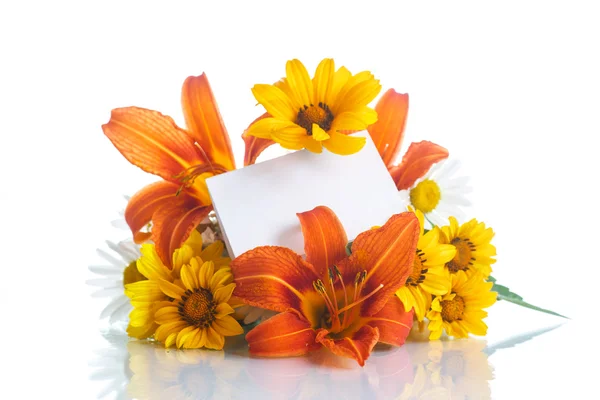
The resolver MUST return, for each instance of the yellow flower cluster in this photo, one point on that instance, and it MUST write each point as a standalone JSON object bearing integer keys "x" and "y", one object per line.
{"x": 448, "y": 285}
{"x": 188, "y": 305}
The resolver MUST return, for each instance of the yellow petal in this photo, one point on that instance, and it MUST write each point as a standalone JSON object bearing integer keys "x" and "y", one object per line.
{"x": 227, "y": 326}
{"x": 323, "y": 80}
{"x": 344, "y": 144}
{"x": 223, "y": 294}
{"x": 166, "y": 314}
{"x": 359, "y": 95}
{"x": 299, "y": 82}
{"x": 170, "y": 289}
{"x": 206, "y": 273}
{"x": 350, "y": 83}
{"x": 275, "y": 101}
{"x": 212, "y": 251}
{"x": 223, "y": 310}
{"x": 318, "y": 133}
{"x": 312, "y": 145}
{"x": 183, "y": 335}
{"x": 353, "y": 121}
{"x": 340, "y": 78}
{"x": 286, "y": 133}
{"x": 214, "y": 340}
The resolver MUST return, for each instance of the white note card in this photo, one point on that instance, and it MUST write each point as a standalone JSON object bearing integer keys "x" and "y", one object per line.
{"x": 257, "y": 205}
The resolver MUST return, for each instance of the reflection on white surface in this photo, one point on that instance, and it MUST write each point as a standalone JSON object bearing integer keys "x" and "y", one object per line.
{"x": 448, "y": 369}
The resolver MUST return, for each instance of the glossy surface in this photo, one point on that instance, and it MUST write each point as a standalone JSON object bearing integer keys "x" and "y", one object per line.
{"x": 460, "y": 369}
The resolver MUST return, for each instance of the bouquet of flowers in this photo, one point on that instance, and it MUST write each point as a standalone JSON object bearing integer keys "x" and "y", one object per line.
{"x": 427, "y": 265}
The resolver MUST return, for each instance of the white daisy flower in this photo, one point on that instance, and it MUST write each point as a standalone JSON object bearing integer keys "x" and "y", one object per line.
{"x": 439, "y": 194}
{"x": 118, "y": 270}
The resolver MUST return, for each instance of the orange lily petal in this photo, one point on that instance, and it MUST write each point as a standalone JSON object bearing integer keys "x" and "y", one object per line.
{"x": 393, "y": 322}
{"x": 387, "y": 255}
{"x": 173, "y": 224}
{"x": 274, "y": 278}
{"x": 324, "y": 238}
{"x": 152, "y": 141}
{"x": 283, "y": 335}
{"x": 144, "y": 203}
{"x": 254, "y": 145}
{"x": 388, "y": 131}
{"x": 204, "y": 121}
{"x": 358, "y": 346}
{"x": 416, "y": 162}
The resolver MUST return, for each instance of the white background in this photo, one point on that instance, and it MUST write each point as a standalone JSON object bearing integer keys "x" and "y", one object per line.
{"x": 510, "y": 88}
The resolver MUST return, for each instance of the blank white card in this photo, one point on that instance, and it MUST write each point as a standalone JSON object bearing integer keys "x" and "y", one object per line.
{"x": 257, "y": 205}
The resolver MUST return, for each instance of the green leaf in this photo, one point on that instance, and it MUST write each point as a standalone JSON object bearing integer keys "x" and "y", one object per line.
{"x": 504, "y": 293}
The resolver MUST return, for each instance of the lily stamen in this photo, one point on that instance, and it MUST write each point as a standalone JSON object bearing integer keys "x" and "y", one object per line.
{"x": 331, "y": 279}
{"x": 320, "y": 288}
{"x": 377, "y": 289}
{"x": 339, "y": 275}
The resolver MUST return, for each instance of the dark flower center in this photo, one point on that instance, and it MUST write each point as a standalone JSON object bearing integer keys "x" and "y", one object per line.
{"x": 320, "y": 115}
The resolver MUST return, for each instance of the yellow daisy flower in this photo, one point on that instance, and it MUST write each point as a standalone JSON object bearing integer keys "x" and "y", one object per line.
{"x": 474, "y": 250}
{"x": 144, "y": 295}
{"x": 199, "y": 314}
{"x": 429, "y": 277}
{"x": 460, "y": 312}
{"x": 317, "y": 113}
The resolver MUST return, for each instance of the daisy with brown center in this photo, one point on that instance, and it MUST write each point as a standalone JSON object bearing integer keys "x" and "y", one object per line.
{"x": 474, "y": 250}
{"x": 428, "y": 277}
{"x": 146, "y": 294}
{"x": 319, "y": 112}
{"x": 460, "y": 312}
{"x": 199, "y": 314}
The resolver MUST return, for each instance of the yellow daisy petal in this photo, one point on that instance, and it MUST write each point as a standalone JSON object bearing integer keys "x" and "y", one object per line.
{"x": 344, "y": 144}
{"x": 214, "y": 340}
{"x": 171, "y": 290}
{"x": 227, "y": 326}
{"x": 223, "y": 294}
{"x": 213, "y": 251}
{"x": 275, "y": 101}
{"x": 340, "y": 78}
{"x": 299, "y": 82}
{"x": 183, "y": 335}
{"x": 189, "y": 279}
{"x": 318, "y": 133}
{"x": 323, "y": 80}
{"x": 223, "y": 310}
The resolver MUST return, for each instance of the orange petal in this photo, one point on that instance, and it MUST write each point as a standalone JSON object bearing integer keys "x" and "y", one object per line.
{"x": 393, "y": 322}
{"x": 358, "y": 346}
{"x": 387, "y": 255}
{"x": 274, "y": 278}
{"x": 152, "y": 141}
{"x": 324, "y": 238}
{"x": 144, "y": 203}
{"x": 204, "y": 121}
{"x": 173, "y": 224}
{"x": 416, "y": 162}
{"x": 283, "y": 335}
{"x": 388, "y": 131}
{"x": 254, "y": 145}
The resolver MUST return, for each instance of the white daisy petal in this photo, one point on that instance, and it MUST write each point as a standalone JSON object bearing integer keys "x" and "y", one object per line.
{"x": 110, "y": 277}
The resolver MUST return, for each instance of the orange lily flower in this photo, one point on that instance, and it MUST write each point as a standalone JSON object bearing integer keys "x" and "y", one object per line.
{"x": 183, "y": 158}
{"x": 387, "y": 134}
{"x": 346, "y": 304}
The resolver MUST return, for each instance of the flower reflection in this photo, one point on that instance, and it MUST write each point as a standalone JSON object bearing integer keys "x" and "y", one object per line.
{"x": 159, "y": 373}
{"x": 446, "y": 369}
{"x": 449, "y": 369}
{"x": 110, "y": 366}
